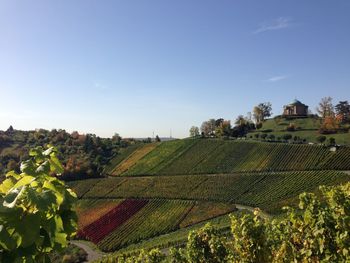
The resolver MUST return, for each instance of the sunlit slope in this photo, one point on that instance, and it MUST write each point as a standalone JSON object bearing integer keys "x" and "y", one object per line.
{"x": 211, "y": 156}
{"x": 132, "y": 158}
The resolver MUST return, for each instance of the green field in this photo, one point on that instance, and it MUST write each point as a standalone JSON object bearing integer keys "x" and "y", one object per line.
{"x": 213, "y": 156}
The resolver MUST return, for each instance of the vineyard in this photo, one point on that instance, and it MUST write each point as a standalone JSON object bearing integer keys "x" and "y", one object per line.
{"x": 131, "y": 220}
{"x": 200, "y": 180}
{"x": 132, "y": 157}
{"x": 219, "y": 156}
{"x": 253, "y": 189}
{"x": 98, "y": 229}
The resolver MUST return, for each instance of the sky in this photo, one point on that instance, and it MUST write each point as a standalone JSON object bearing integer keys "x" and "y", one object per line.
{"x": 143, "y": 67}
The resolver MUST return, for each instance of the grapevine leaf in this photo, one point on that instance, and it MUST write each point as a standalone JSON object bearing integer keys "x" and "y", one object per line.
{"x": 6, "y": 241}
{"x": 24, "y": 181}
{"x": 55, "y": 164}
{"x": 28, "y": 167}
{"x": 7, "y": 185}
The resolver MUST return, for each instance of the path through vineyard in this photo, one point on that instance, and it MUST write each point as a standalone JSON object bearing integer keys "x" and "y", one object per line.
{"x": 93, "y": 254}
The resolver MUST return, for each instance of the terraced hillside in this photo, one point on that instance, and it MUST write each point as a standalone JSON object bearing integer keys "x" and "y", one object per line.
{"x": 264, "y": 190}
{"x": 211, "y": 156}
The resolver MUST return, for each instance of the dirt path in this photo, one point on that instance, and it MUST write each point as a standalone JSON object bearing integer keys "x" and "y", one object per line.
{"x": 93, "y": 254}
{"x": 251, "y": 209}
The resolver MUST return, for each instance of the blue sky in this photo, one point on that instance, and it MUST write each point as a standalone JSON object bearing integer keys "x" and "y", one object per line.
{"x": 135, "y": 67}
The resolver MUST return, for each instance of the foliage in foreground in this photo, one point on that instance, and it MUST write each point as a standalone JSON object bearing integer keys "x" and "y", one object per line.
{"x": 318, "y": 231}
{"x": 36, "y": 210}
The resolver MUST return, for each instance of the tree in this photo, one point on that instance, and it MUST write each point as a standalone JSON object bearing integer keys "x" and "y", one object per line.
{"x": 266, "y": 109}
{"x": 157, "y": 139}
{"x": 329, "y": 125}
{"x": 208, "y": 127}
{"x": 240, "y": 120}
{"x": 116, "y": 138}
{"x": 258, "y": 115}
{"x": 194, "y": 131}
{"x": 325, "y": 107}
{"x": 224, "y": 129}
{"x": 342, "y": 110}
{"x": 218, "y": 122}
{"x": 36, "y": 210}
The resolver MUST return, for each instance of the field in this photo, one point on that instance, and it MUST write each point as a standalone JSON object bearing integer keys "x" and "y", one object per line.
{"x": 211, "y": 156}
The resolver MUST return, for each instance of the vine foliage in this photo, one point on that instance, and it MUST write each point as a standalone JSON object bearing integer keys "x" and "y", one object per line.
{"x": 36, "y": 209}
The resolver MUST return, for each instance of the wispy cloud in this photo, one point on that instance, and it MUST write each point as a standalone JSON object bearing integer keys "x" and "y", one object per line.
{"x": 276, "y": 24}
{"x": 100, "y": 87}
{"x": 277, "y": 78}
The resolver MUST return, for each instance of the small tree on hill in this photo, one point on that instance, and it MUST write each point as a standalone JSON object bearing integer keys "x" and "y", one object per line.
{"x": 343, "y": 111}
{"x": 325, "y": 107}
{"x": 194, "y": 131}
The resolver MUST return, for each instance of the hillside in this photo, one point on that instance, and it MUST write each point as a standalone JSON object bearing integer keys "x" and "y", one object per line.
{"x": 162, "y": 190}
{"x": 305, "y": 128}
{"x": 213, "y": 156}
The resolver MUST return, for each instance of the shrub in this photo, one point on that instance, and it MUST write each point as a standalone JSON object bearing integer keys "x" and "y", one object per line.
{"x": 291, "y": 127}
{"x": 321, "y": 139}
{"x": 287, "y": 136}
{"x": 263, "y": 136}
{"x": 331, "y": 141}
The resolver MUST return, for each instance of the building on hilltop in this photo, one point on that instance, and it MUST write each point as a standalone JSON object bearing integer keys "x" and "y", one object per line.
{"x": 295, "y": 109}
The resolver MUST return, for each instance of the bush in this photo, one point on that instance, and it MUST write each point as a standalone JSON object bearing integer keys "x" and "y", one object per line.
{"x": 321, "y": 139}
{"x": 331, "y": 141}
{"x": 287, "y": 136}
{"x": 263, "y": 136}
{"x": 291, "y": 127}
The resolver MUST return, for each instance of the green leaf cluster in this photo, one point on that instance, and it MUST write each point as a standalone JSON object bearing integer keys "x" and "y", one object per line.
{"x": 36, "y": 209}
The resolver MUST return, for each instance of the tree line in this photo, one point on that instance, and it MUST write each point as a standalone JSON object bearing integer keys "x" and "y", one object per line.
{"x": 242, "y": 124}
{"x": 82, "y": 155}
